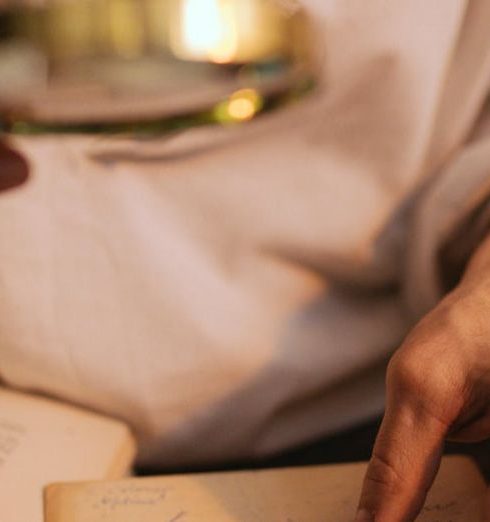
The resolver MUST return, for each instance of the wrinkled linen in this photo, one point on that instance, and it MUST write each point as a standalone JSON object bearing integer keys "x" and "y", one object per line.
{"x": 233, "y": 292}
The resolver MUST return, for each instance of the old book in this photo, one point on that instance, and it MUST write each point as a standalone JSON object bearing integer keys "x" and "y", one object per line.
{"x": 42, "y": 441}
{"x": 312, "y": 494}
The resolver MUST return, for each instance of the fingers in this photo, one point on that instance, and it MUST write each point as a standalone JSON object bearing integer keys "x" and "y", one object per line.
{"x": 405, "y": 459}
{"x": 14, "y": 169}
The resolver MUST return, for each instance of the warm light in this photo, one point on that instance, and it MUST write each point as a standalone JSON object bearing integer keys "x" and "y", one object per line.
{"x": 202, "y": 25}
{"x": 241, "y": 109}
{"x": 243, "y": 105}
{"x": 209, "y": 30}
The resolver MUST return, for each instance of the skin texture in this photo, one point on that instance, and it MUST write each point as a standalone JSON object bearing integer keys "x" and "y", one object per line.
{"x": 438, "y": 387}
{"x": 14, "y": 170}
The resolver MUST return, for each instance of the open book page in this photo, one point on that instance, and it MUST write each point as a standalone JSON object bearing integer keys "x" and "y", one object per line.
{"x": 42, "y": 441}
{"x": 313, "y": 494}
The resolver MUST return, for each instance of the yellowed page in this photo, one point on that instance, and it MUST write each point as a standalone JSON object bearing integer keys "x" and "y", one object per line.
{"x": 313, "y": 494}
{"x": 42, "y": 441}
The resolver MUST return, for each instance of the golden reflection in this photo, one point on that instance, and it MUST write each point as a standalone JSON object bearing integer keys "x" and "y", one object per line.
{"x": 241, "y": 109}
{"x": 226, "y": 31}
{"x": 242, "y": 105}
{"x": 213, "y": 31}
{"x": 149, "y": 65}
{"x": 126, "y": 28}
{"x": 77, "y": 38}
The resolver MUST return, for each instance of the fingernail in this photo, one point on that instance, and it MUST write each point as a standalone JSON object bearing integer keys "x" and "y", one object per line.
{"x": 364, "y": 516}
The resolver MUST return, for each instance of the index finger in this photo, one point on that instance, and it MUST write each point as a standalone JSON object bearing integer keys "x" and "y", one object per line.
{"x": 405, "y": 460}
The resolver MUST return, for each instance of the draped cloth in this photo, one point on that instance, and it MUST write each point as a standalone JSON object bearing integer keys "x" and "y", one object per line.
{"x": 233, "y": 292}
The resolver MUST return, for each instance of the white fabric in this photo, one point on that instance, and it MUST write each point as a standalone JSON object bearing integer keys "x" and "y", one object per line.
{"x": 234, "y": 292}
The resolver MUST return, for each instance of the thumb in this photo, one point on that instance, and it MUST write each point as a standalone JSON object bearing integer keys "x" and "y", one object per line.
{"x": 13, "y": 168}
{"x": 405, "y": 460}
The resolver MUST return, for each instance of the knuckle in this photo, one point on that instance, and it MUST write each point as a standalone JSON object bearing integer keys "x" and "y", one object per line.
{"x": 428, "y": 367}
{"x": 405, "y": 372}
{"x": 426, "y": 384}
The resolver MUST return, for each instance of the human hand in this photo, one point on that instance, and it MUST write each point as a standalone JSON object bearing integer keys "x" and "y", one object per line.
{"x": 13, "y": 168}
{"x": 438, "y": 387}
